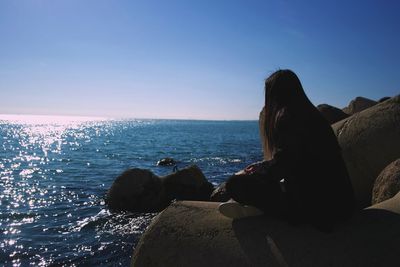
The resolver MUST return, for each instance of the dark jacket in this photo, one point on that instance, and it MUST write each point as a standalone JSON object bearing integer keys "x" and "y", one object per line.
{"x": 316, "y": 182}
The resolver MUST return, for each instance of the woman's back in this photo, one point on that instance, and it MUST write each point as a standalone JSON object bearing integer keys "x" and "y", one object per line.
{"x": 305, "y": 155}
{"x": 318, "y": 185}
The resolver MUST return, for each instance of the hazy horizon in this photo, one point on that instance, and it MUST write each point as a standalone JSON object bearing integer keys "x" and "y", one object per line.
{"x": 60, "y": 118}
{"x": 202, "y": 60}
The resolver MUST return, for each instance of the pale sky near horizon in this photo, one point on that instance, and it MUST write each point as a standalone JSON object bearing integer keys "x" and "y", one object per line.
{"x": 191, "y": 59}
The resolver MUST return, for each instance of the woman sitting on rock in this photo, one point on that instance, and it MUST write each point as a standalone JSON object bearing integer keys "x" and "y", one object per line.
{"x": 305, "y": 179}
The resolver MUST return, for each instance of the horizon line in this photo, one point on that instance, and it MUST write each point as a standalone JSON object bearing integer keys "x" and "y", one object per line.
{"x": 3, "y": 116}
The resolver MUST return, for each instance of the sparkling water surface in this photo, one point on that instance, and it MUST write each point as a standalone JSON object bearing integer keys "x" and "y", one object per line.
{"x": 55, "y": 173}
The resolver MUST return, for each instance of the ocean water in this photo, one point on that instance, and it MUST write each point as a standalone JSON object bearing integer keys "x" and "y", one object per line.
{"x": 55, "y": 173}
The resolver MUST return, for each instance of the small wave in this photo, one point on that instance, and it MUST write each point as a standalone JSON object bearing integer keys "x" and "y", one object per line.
{"x": 220, "y": 160}
{"x": 90, "y": 221}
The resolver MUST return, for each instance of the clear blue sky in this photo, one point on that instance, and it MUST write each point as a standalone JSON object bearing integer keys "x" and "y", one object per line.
{"x": 191, "y": 59}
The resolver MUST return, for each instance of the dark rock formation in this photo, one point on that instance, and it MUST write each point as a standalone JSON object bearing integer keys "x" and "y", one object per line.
{"x": 331, "y": 114}
{"x": 166, "y": 162}
{"x": 383, "y": 99}
{"x": 139, "y": 190}
{"x": 196, "y": 234}
{"x": 220, "y": 194}
{"x": 189, "y": 183}
{"x": 370, "y": 140}
{"x": 359, "y": 104}
{"x": 387, "y": 184}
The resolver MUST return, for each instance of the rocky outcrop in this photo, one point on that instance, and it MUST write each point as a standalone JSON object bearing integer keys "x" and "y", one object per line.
{"x": 196, "y": 234}
{"x": 359, "y": 104}
{"x": 370, "y": 140}
{"x": 166, "y": 162}
{"x": 188, "y": 183}
{"x": 139, "y": 190}
{"x": 383, "y": 99}
{"x": 388, "y": 183}
{"x": 136, "y": 190}
{"x": 331, "y": 114}
{"x": 220, "y": 194}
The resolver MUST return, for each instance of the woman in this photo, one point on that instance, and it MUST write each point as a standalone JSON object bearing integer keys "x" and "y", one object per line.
{"x": 306, "y": 180}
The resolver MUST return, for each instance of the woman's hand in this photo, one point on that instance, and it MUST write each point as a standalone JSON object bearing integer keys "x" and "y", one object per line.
{"x": 259, "y": 167}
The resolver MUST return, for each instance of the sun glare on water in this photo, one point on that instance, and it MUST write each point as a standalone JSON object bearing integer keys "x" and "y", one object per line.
{"x": 46, "y": 119}
{"x": 39, "y": 131}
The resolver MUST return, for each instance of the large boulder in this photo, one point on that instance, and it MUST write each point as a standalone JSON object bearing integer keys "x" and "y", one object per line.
{"x": 331, "y": 114}
{"x": 139, "y": 190}
{"x": 188, "y": 183}
{"x": 370, "y": 140}
{"x": 359, "y": 104}
{"x": 383, "y": 99}
{"x": 196, "y": 234}
{"x": 388, "y": 183}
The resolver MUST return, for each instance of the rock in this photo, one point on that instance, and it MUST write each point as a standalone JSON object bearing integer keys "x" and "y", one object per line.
{"x": 383, "y": 99}
{"x": 139, "y": 190}
{"x": 166, "y": 162}
{"x": 387, "y": 184}
{"x": 331, "y": 114}
{"x": 196, "y": 234}
{"x": 220, "y": 194}
{"x": 189, "y": 183}
{"x": 359, "y": 104}
{"x": 370, "y": 140}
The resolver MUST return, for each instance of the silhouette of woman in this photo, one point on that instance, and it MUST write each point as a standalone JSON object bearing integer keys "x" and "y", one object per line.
{"x": 305, "y": 180}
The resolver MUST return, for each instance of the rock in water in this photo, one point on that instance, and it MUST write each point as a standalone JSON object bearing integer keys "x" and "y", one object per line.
{"x": 370, "y": 140}
{"x": 189, "y": 183}
{"x": 136, "y": 190}
{"x": 139, "y": 190}
{"x": 166, "y": 162}
{"x": 359, "y": 104}
{"x": 331, "y": 114}
{"x": 387, "y": 185}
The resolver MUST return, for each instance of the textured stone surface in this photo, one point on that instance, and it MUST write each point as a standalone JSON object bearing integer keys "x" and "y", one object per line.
{"x": 331, "y": 114}
{"x": 383, "y": 99}
{"x": 136, "y": 190}
{"x": 370, "y": 140}
{"x": 196, "y": 234}
{"x": 188, "y": 183}
{"x": 358, "y": 104}
{"x": 387, "y": 184}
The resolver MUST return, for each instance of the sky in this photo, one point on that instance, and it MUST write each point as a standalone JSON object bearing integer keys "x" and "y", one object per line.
{"x": 193, "y": 59}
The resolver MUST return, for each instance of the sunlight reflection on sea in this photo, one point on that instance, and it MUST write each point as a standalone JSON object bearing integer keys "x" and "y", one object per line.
{"x": 55, "y": 172}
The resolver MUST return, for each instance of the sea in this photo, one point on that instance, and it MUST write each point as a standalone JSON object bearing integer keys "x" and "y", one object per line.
{"x": 55, "y": 172}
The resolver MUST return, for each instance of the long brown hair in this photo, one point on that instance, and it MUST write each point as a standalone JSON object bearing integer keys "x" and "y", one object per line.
{"x": 284, "y": 95}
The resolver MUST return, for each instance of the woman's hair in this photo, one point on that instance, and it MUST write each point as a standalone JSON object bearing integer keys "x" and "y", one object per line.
{"x": 284, "y": 95}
